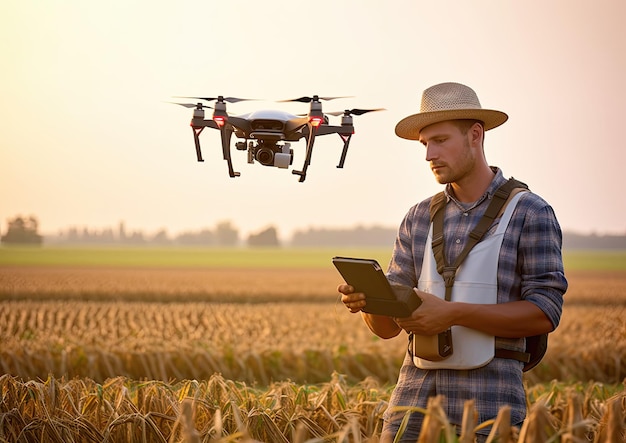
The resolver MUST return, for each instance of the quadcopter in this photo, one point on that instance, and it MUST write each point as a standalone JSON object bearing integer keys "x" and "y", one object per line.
{"x": 267, "y": 134}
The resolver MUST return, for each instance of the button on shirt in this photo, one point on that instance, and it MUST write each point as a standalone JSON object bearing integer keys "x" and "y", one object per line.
{"x": 530, "y": 267}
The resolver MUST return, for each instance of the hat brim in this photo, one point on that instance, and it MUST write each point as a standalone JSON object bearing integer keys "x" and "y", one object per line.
{"x": 411, "y": 126}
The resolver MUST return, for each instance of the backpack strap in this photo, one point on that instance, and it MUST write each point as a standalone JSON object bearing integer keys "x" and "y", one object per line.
{"x": 438, "y": 202}
{"x": 524, "y": 357}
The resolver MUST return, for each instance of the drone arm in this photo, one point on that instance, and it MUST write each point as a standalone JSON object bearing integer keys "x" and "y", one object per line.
{"x": 327, "y": 129}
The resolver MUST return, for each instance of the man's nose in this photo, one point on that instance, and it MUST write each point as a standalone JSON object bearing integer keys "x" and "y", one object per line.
{"x": 431, "y": 152}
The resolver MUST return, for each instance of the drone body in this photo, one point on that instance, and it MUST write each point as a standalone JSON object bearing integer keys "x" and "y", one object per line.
{"x": 267, "y": 134}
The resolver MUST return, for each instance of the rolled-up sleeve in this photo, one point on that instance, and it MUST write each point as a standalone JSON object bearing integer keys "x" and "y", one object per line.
{"x": 542, "y": 273}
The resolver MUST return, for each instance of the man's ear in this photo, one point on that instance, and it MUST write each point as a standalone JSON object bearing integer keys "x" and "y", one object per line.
{"x": 477, "y": 134}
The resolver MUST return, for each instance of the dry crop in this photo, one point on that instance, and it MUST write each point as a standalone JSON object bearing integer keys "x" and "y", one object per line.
{"x": 219, "y": 410}
{"x": 124, "y": 352}
{"x": 260, "y": 327}
{"x": 173, "y": 284}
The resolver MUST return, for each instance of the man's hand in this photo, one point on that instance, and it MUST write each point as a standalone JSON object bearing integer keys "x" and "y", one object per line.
{"x": 383, "y": 326}
{"x": 354, "y": 301}
{"x": 513, "y": 319}
{"x": 433, "y": 316}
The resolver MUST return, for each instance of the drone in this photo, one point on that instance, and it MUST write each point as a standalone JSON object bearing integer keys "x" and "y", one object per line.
{"x": 267, "y": 134}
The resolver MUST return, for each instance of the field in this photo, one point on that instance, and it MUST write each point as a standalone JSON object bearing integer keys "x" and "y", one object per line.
{"x": 256, "y": 340}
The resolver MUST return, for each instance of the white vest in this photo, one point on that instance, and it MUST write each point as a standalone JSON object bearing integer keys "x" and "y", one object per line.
{"x": 476, "y": 282}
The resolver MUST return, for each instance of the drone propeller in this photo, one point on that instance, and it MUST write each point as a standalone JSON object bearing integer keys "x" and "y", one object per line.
{"x": 192, "y": 105}
{"x": 221, "y": 99}
{"x": 354, "y": 111}
{"x": 310, "y": 99}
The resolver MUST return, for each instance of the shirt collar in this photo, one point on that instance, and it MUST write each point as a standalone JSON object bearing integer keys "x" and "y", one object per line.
{"x": 498, "y": 180}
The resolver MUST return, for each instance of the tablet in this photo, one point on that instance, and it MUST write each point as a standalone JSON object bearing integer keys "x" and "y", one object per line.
{"x": 382, "y": 298}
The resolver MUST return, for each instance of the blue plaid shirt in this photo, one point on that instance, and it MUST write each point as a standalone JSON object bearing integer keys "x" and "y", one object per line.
{"x": 530, "y": 268}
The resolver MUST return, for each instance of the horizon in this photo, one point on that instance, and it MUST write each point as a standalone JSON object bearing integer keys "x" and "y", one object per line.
{"x": 282, "y": 236}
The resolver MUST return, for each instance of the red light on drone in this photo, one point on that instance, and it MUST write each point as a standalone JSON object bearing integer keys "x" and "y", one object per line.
{"x": 220, "y": 120}
{"x": 316, "y": 121}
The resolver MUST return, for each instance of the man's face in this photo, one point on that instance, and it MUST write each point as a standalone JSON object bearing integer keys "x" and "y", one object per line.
{"x": 448, "y": 151}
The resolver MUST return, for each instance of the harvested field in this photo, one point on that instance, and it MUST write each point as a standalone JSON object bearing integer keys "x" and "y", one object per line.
{"x": 177, "y": 354}
{"x": 168, "y": 284}
{"x": 251, "y": 325}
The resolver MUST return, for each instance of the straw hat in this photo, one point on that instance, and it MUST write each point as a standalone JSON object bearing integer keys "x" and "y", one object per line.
{"x": 448, "y": 101}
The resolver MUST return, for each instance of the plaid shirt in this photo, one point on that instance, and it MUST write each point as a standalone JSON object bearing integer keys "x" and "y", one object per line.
{"x": 530, "y": 267}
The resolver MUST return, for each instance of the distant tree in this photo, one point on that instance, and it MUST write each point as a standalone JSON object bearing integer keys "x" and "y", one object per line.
{"x": 355, "y": 236}
{"x": 22, "y": 231}
{"x": 205, "y": 237}
{"x": 267, "y": 237}
{"x": 108, "y": 236}
{"x": 160, "y": 238}
{"x": 226, "y": 234}
{"x": 135, "y": 238}
{"x": 573, "y": 240}
{"x": 72, "y": 235}
{"x": 121, "y": 231}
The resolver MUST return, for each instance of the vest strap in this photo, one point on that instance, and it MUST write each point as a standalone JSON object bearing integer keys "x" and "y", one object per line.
{"x": 513, "y": 355}
{"x": 448, "y": 272}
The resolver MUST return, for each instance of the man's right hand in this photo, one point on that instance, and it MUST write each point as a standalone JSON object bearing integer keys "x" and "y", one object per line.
{"x": 354, "y": 301}
{"x": 383, "y": 326}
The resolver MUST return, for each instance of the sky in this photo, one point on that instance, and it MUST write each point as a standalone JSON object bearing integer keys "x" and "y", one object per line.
{"x": 88, "y": 137}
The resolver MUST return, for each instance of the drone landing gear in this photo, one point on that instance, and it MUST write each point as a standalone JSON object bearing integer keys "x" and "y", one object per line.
{"x": 226, "y": 134}
{"x": 196, "y": 139}
{"x": 309, "y": 152}
{"x": 302, "y": 174}
{"x": 344, "y": 152}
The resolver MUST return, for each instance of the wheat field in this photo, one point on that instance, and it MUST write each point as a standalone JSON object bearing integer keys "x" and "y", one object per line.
{"x": 117, "y": 337}
{"x": 271, "y": 325}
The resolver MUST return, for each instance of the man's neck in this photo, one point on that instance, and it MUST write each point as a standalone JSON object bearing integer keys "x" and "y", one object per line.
{"x": 473, "y": 187}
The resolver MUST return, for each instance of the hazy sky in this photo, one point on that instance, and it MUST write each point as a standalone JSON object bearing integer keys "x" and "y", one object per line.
{"x": 88, "y": 139}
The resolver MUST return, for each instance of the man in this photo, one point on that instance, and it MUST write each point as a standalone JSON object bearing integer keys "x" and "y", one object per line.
{"x": 519, "y": 293}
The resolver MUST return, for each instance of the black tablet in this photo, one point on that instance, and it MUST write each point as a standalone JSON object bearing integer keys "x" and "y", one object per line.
{"x": 382, "y": 298}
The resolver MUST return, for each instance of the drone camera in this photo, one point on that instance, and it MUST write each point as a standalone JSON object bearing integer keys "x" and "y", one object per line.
{"x": 280, "y": 156}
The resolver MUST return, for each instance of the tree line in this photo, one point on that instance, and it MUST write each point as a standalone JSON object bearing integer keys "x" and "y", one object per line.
{"x": 24, "y": 230}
